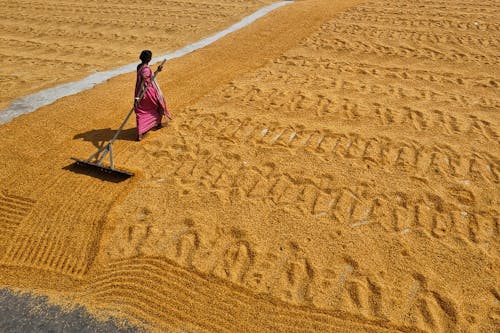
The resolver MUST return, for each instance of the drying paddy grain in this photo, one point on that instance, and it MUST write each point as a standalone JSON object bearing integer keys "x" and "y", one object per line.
{"x": 332, "y": 167}
{"x": 46, "y": 43}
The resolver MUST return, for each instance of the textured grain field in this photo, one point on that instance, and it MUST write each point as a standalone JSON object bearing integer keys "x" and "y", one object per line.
{"x": 45, "y": 43}
{"x": 334, "y": 167}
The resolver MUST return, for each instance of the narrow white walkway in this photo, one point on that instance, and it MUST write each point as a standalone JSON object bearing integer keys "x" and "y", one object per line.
{"x": 32, "y": 102}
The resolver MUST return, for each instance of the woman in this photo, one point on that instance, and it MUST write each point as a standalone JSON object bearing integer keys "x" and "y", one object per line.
{"x": 152, "y": 107}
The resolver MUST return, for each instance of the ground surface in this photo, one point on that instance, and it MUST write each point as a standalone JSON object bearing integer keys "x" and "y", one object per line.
{"x": 332, "y": 167}
{"x": 29, "y": 314}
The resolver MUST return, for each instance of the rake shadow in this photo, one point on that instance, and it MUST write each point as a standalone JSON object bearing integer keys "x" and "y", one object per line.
{"x": 101, "y": 136}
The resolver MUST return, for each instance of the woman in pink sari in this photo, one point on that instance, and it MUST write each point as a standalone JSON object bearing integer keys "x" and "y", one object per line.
{"x": 152, "y": 107}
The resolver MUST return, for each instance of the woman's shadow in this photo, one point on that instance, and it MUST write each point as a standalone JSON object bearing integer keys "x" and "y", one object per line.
{"x": 102, "y": 136}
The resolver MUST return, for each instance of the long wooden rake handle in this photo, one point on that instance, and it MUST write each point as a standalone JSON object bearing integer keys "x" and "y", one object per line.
{"x": 108, "y": 148}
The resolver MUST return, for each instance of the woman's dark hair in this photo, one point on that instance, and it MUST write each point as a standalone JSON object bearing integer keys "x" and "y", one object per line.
{"x": 146, "y": 56}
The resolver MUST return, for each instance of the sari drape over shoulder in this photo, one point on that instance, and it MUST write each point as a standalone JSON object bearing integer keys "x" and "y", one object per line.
{"x": 151, "y": 108}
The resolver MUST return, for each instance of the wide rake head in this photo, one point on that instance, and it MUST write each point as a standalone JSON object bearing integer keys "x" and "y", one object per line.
{"x": 102, "y": 171}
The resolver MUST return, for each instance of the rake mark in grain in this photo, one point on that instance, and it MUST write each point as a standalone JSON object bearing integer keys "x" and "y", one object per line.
{"x": 62, "y": 234}
{"x": 419, "y": 118}
{"x": 378, "y": 71}
{"x": 13, "y": 209}
{"x": 164, "y": 303}
{"x": 439, "y": 217}
{"x": 407, "y": 155}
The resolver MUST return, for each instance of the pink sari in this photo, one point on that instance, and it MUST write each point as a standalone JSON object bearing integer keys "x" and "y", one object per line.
{"x": 152, "y": 107}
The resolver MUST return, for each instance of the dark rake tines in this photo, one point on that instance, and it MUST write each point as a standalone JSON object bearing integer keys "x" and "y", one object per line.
{"x": 101, "y": 169}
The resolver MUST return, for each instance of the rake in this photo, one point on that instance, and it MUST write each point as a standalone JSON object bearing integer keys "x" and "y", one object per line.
{"x": 95, "y": 161}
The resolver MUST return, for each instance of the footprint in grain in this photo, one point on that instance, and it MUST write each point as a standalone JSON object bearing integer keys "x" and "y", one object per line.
{"x": 297, "y": 277}
{"x": 187, "y": 243}
{"x": 186, "y": 247}
{"x": 235, "y": 262}
{"x": 136, "y": 238}
{"x": 428, "y": 309}
{"x": 365, "y": 295}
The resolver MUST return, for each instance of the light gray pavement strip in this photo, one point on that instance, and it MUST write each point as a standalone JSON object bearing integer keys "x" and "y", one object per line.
{"x": 25, "y": 313}
{"x": 34, "y": 101}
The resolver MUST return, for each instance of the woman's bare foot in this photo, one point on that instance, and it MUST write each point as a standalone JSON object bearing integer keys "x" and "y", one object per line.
{"x": 160, "y": 126}
{"x": 140, "y": 137}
